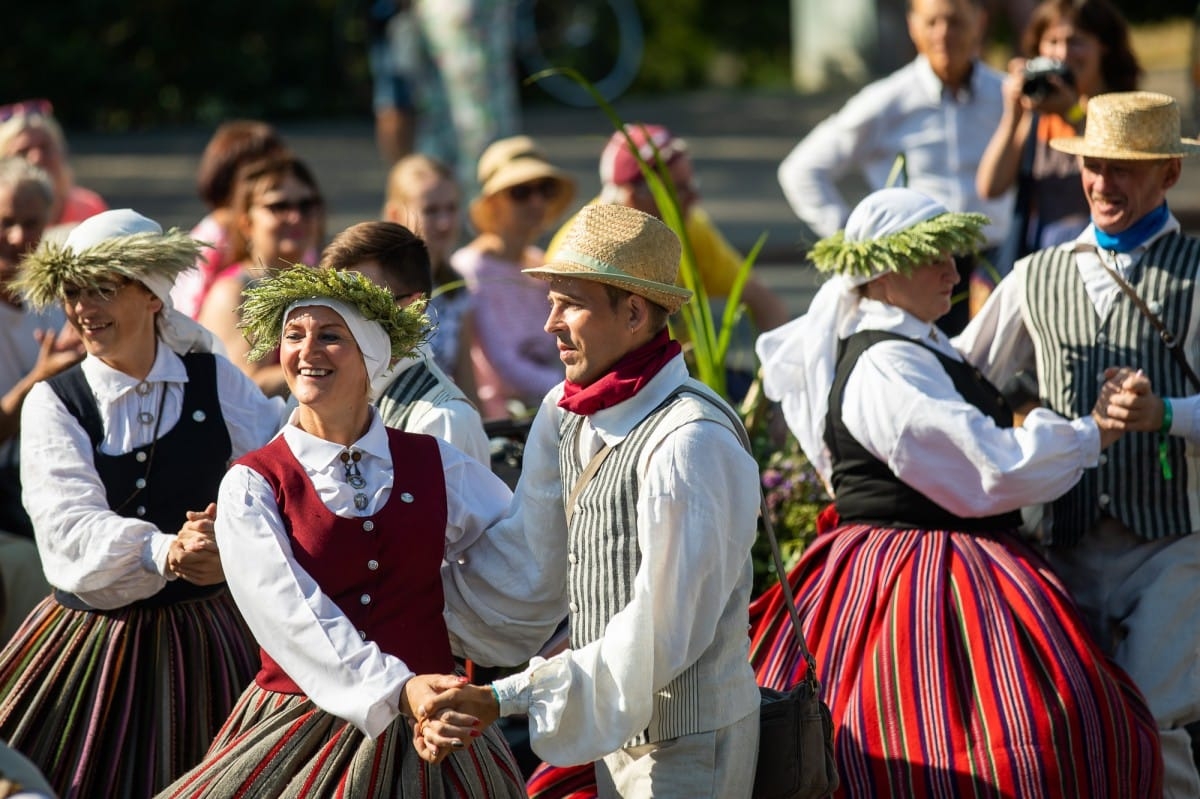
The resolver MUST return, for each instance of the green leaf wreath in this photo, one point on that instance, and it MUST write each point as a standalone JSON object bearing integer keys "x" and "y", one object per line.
{"x": 902, "y": 251}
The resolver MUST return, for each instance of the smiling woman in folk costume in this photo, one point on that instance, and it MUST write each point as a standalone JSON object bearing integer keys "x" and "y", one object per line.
{"x": 117, "y": 682}
{"x": 953, "y": 663}
{"x": 338, "y": 529}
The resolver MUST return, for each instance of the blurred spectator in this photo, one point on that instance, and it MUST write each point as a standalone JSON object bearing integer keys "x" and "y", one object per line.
{"x": 279, "y": 220}
{"x": 1091, "y": 38}
{"x": 32, "y": 348}
{"x": 233, "y": 145}
{"x": 28, "y": 129}
{"x": 423, "y": 196}
{"x": 393, "y": 52}
{"x": 521, "y": 195}
{"x": 937, "y": 113}
{"x": 413, "y": 395}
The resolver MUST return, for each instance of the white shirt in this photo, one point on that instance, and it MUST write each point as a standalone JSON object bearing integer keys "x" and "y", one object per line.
{"x": 998, "y": 343}
{"x": 902, "y": 406}
{"x": 696, "y": 510}
{"x": 942, "y": 137}
{"x": 106, "y": 559}
{"x": 290, "y": 616}
{"x": 454, "y": 419}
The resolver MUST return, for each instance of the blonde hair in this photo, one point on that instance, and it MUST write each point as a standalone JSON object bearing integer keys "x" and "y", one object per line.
{"x": 410, "y": 173}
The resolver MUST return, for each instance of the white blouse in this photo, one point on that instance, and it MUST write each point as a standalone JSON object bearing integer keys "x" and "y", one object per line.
{"x": 301, "y": 628}
{"x": 902, "y": 406}
{"x": 106, "y": 559}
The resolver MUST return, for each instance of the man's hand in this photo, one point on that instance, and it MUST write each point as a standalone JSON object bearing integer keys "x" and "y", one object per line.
{"x": 58, "y": 351}
{"x": 1131, "y": 403}
{"x": 440, "y": 730}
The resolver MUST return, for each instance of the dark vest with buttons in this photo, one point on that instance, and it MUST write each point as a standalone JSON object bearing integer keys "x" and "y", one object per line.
{"x": 159, "y": 483}
{"x": 383, "y": 571}
{"x": 602, "y": 537}
{"x": 1074, "y": 346}
{"x": 866, "y": 490}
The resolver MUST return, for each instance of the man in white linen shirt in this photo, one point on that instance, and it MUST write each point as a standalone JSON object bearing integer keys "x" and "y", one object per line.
{"x": 414, "y": 395}
{"x": 938, "y": 112}
{"x": 1123, "y": 540}
{"x": 648, "y": 556}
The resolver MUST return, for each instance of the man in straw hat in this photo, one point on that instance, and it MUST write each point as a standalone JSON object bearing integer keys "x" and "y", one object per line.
{"x": 121, "y": 456}
{"x": 1122, "y": 538}
{"x": 634, "y": 517}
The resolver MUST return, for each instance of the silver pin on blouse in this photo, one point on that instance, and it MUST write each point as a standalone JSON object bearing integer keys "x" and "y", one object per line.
{"x": 360, "y": 501}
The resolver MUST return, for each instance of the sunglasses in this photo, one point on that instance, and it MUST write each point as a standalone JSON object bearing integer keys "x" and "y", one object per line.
{"x": 305, "y": 207}
{"x": 103, "y": 291}
{"x": 41, "y": 108}
{"x": 523, "y": 191}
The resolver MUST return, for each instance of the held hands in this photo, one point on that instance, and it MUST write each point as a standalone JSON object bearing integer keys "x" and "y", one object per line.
{"x": 444, "y": 721}
{"x": 193, "y": 554}
{"x": 1127, "y": 403}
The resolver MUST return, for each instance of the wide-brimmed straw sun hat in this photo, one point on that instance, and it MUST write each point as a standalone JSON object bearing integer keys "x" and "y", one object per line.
{"x": 1130, "y": 126}
{"x": 511, "y": 162}
{"x": 622, "y": 247}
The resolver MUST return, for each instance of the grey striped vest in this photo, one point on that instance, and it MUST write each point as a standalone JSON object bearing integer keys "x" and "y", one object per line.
{"x": 414, "y": 391}
{"x": 1074, "y": 346}
{"x": 602, "y": 540}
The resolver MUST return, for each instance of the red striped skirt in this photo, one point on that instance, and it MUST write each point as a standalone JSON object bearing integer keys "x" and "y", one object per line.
{"x": 281, "y": 745}
{"x": 956, "y": 665}
{"x": 120, "y": 703}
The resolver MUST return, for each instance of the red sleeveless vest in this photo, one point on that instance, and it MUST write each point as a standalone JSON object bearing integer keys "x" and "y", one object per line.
{"x": 382, "y": 571}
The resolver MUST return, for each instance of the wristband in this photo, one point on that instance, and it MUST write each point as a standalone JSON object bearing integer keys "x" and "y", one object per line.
{"x": 1074, "y": 114}
{"x": 1168, "y": 417}
{"x": 496, "y": 694}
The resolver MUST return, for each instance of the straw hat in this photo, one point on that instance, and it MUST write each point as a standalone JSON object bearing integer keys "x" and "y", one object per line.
{"x": 1130, "y": 126}
{"x": 511, "y": 162}
{"x": 622, "y": 247}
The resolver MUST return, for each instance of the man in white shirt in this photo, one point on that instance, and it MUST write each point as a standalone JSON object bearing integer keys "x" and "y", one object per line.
{"x": 634, "y": 518}
{"x": 415, "y": 395}
{"x": 938, "y": 112}
{"x": 1123, "y": 540}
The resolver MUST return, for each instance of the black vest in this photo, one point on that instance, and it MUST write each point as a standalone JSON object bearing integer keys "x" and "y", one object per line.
{"x": 159, "y": 483}
{"x": 866, "y": 490}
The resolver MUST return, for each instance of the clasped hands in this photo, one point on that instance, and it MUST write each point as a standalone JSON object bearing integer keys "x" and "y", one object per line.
{"x": 1127, "y": 402}
{"x": 193, "y": 555}
{"x": 447, "y": 713}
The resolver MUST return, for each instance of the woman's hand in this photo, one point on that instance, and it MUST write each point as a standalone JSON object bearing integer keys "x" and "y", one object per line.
{"x": 193, "y": 555}
{"x": 439, "y": 729}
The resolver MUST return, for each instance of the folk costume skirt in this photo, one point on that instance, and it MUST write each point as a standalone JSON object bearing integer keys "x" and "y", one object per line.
{"x": 119, "y": 703}
{"x": 955, "y": 665}
{"x": 282, "y": 745}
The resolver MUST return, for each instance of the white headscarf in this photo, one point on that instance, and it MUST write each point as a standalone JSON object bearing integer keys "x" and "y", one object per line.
{"x": 372, "y": 339}
{"x": 799, "y": 359}
{"x": 178, "y": 331}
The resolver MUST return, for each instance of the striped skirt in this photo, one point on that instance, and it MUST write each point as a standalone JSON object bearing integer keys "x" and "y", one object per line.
{"x": 955, "y": 665}
{"x": 280, "y": 745}
{"x": 120, "y": 703}
{"x": 562, "y": 782}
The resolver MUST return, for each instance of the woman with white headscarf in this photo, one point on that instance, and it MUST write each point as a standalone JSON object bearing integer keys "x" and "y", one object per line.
{"x": 334, "y": 535}
{"x": 954, "y": 662}
{"x": 116, "y": 683}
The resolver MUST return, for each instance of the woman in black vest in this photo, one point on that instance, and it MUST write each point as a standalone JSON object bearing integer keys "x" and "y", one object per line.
{"x": 117, "y": 682}
{"x": 954, "y": 663}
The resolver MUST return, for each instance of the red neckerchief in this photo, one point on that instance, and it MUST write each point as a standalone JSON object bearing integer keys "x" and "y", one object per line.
{"x": 626, "y": 378}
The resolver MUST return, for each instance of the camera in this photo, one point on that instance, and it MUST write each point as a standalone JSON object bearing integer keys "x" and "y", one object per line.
{"x": 1037, "y": 85}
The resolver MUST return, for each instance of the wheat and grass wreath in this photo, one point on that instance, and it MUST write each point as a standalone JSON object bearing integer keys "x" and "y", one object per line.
{"x": 902, "y": 251}
{"x": 266, "y": 302}
{"x": 54, "y": 265}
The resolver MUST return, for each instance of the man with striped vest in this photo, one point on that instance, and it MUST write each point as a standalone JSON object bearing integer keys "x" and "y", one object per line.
{"x": 634, "y": 518}
{"x": 1093, "y": 316}
{"x": 415, "y": 395}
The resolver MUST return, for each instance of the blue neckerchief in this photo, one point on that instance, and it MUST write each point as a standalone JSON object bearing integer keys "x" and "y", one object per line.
{"x": 1136, "y": 234}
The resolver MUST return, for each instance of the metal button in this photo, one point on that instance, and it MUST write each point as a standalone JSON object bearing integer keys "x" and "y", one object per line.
{"x": 362, "y": 634}
{"x": 140, "y": 457}
{"x": 365, "y": 599}
{"x": 199, "y": 416}
{"x": 141, "y": 510}
{"x": 1103, "y": 459}
{"x": 372, "y": 564}
{"x": 572, "y": 558}
{"x": 573, "y": 607}
{"x": 406, "y": 497}
{"x": 140, "y": 482}
{"x": 369, "y": 526}
{"x": 1101, "y": 338}
{"x": 1104, "y": 499}
{"x": 1155, "y": 307}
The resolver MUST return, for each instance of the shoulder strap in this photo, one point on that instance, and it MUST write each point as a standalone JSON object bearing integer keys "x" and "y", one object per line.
{"x": 585, "y": 477}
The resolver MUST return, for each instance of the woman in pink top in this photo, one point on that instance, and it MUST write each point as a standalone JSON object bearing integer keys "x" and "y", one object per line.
{"x": 521, "y": 195}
